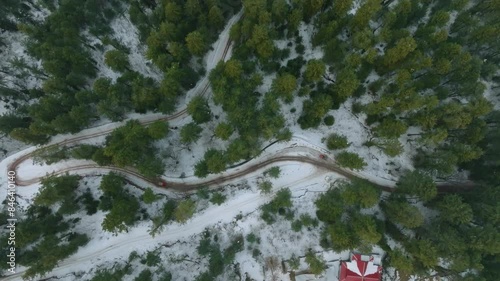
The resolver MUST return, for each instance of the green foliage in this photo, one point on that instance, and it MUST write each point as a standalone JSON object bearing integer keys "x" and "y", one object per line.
{"x": 89, "y": 203}
{"x": 358, "y": 192}
{"x": 454, "y": 210}
{"x": 195, "y": 43}
{"x": 158, "y": 130}
{"x": 116, "y": 273}
{"x": 390, "y": 128}
{"x": 347, "y": 83}
{"x": 57, "y": 189}
{"x": 297, "y": 225}
{"x": 280, "y": 204}
{"x": 152, "y": 259}
{"x": 112, "y": 184}
{"x": 336, "y": 141}
{"x": 402, "y": 262}
{"x": 145, "y": 275}
{"x": 215, "y": 161}
{"x": 122, "y": 214}
{"x": 223, "y": 131}
{"x": 329, "y": 120}
{"x": 201, "y": 169}
{"x": 330, "y": 206}
{"x": 418, "y": 184}
{"x": 265, "y": 187}
{"x": 423, "y": 251}
{"x": 218, "y": 198}
{"x": 401, "y": 212}
{"x": 314, "y": 70}
{"x": 237, "y": 245}
{"x": 365, "y": 13}
{"x": 50, "y": 251}
{"x": 365, "y": 227}
{"x": 190, "y": 133}
{"x": 284, "y": 85}
{"x": 185, "y": 210}
{"x": 273, "y": 172}
{"x": 350, "y": 160}
{"x": 314, "y": 110}
{"x": 403, "y": 47}
{"x": 140, "y": 152}
{"x": 198, "y": 109}
{"x": 83, "y": 151}
{"x": 316, "y": 265}
{"x": 117, "y": 60}
{"x": 391, "y": 147}
{"x": 149, "y": 196}
{"x": 204, "y": 247}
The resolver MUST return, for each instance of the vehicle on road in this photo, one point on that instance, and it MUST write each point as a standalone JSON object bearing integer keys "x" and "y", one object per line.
{"x": 161, "y": 183}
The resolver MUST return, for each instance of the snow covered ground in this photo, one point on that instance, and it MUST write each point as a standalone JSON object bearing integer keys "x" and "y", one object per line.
{"x": 300, "y": 178}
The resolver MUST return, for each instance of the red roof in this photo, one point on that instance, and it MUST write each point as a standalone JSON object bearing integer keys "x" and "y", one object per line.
{"x": 360, "y": 268}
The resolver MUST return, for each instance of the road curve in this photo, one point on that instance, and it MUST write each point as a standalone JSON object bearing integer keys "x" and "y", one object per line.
{"x": 145, "y": 120}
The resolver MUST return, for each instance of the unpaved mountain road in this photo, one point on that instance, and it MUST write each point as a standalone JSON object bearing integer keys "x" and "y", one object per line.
{"x": 289, "y": 154}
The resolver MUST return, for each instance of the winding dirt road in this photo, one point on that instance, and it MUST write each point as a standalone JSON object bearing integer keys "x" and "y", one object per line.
{"x": 311, "y": 156}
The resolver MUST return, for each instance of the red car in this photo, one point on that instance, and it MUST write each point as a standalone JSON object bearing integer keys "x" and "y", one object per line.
{"x": 162, "y": 183}
{"x": 322, "y": 156}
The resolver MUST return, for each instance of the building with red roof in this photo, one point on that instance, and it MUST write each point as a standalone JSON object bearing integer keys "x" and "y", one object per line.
{"x": 361, "y": 268}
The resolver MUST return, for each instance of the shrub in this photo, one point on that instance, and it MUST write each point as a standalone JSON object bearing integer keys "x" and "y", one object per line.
{"x": 184, "y": 210}
{"x": 218, "y": 198}
{"x": 251, "y": 238}
{"x": 149, "y": 196}
{"x": 273, "y": 172}
{"x": 316, "y": 265}
{"x": 265, "y": 187}
{"x": 297, "y": 225}
{"x": 336, "y": 141}
{"x": 255, "y": 253}
{"x": 350, "y": 160}
{"x": 329, "y": 120}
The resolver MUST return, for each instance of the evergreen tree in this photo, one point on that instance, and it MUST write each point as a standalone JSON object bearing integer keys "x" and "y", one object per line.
{"x": 401, "y": 212}
{"x": 223, "y": 131}
{"x": 314, "y": 70}
{"x": 195, "y": 43}
{"x": 419, "y": 184}
{"x": 190, "y": 133}
{"x": 117, "y": 60}
{"x": 335, "y": 141}
{"x": 454, "y": 210}
{"x": 198, "y": 109}
{"x": 284, "y": 85}
{"x": 350, "y": 160}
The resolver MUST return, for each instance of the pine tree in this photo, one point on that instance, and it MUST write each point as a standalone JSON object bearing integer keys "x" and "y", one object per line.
{"x": 336, "y": 141}
{"x": 284, "y": 85}
{"x": 316, "y": 265}
{"x": 314, "y": 70}
{"x": 199, "y": 110}
{"x": 223, "y": 131}
{"x": 215, "y": 160}
{"x": 341, "y": 7}
{"x": 215, "y": 17}
{"x": 390, "y": 128}
{"x": 454, "y": 210}
{"x": 117, "y": 60}
{"x": 190, "y": 133}
{"x": 403, "y": 47}
{"x": 173, "y": 12}
{"x": 195, "y": 43}
{"x": 399, "y": 211}
{"x": 418, "y": 184}
{"x": 350, "y": 160}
